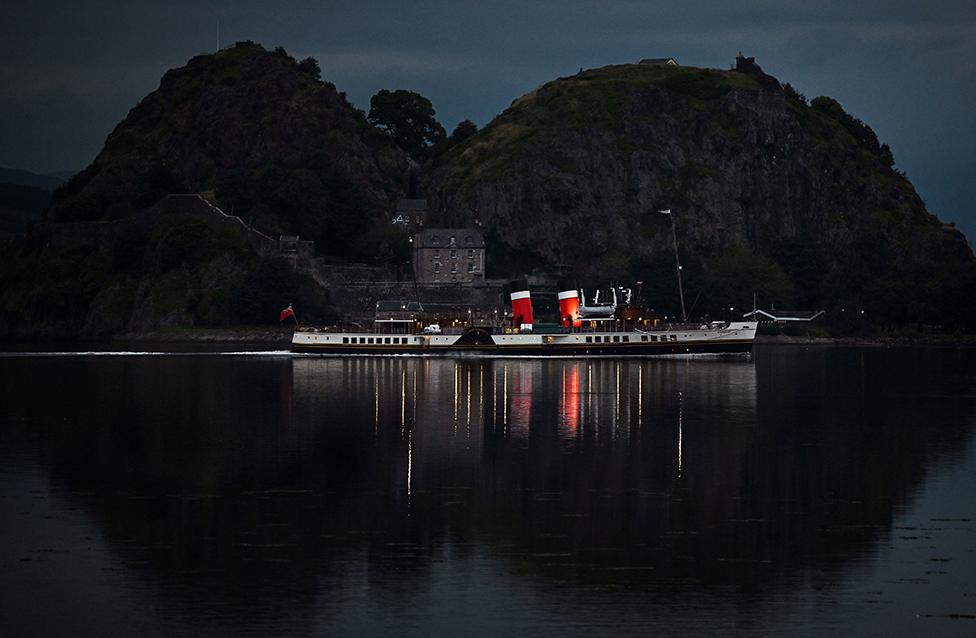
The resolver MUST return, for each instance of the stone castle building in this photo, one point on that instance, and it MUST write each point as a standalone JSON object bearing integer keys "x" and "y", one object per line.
{"x": 449, "y": 256}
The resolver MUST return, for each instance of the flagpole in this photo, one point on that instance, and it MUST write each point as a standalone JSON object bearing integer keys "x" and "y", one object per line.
{"x": 677, "y": 264}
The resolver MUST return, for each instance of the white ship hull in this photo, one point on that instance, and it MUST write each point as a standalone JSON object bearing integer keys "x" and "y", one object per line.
{"x": 736, "y": 337}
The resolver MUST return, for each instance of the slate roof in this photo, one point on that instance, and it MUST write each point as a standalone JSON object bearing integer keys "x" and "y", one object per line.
{"x": 441, "y": 238}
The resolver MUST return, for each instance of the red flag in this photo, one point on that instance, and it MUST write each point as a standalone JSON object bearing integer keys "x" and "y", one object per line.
{"x": 287, "y": 312}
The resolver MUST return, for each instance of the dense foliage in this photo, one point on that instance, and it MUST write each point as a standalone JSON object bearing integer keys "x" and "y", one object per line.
{"x": 409, "y": 118}
{"x": 174, "y": 272}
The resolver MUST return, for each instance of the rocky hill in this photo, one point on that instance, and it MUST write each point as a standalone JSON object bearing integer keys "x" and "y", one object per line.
{"x": 795, "y": 200}
{"x": 257, "y": 132}
{"x": 263, "y": 135}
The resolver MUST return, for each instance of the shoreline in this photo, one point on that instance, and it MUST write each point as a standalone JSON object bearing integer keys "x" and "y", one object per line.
{"x": 280, "y": 338}
{"x": 889, "y": 341}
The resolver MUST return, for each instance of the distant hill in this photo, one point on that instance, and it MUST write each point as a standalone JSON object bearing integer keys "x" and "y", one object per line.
{"x": 23, "y": 196}
{"x": 26, "y": 178}
{"x": 63, "y": 175}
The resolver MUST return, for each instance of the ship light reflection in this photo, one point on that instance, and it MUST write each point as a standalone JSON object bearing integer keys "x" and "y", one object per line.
{"x": 571, "y": 399}
{"x": 680, "y": 443}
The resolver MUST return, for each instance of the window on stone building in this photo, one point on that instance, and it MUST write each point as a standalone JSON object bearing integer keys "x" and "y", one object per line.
{"x": 470, "y": 267}
{"x": 437, "y": 266}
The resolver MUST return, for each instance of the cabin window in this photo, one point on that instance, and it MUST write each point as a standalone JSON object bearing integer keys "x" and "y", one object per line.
{"x": 674, "y": 337}
{"x": 386, "y": 340}
{"x": 643, "y": 337}
{"x": 598, "y": 339}
{"x": 626, "y": 338}
{"x": 653, "y": 337}
{"x": 589, "y": 340}
{"x": 345, "y": 340}
{"x": 616, "y": 339}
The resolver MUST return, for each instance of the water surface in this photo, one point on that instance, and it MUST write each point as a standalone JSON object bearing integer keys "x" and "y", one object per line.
{"x": 802, "y": 491}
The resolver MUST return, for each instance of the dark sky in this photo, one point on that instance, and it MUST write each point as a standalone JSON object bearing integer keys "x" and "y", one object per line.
{"x": 72, "y": 70}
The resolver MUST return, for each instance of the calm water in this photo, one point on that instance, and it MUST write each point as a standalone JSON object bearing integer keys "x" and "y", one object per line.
{"x": 802, "y": 491}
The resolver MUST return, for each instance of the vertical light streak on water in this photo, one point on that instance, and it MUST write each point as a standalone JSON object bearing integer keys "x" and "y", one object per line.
{"x": 467, "y": 424}
{"x": 640, "y": 394}
{"x": 413, "y": 406}
{"x": 579, "y": 406}
{"x": 616, "y": 400}
{"x": 505, "y": 400}
{"x": 481, "y": 395}
{"x": 376, "y": 406}
{"x": 494, "y": 399}
{"x": 457, "y": 394}
{"x": 403, "y": 401}
{"x": 680, "y": 420}
{"x": 595, "y": 416}
{"x": 561, "y": 416}
{"x": 409, "y": 472}
{"x": 589, "y": 392}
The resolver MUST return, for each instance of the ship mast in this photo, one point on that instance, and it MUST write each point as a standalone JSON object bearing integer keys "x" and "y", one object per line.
{"x": 677, "y": 264}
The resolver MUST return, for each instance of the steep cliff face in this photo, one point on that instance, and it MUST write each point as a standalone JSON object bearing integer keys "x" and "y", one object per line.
{"x": 259, "y": 131}
{"x": 573, "y": 172}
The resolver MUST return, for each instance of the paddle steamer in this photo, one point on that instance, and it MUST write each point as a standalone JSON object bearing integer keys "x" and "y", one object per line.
{"x": 602, "y": 330}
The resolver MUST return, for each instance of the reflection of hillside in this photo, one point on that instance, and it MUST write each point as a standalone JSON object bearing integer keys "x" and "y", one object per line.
{"x": 267, "y": 481}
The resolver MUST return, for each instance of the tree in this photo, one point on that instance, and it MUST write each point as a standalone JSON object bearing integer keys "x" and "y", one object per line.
{"x": 734, "y": 276}
{"x": 311, "y": 66}
{"x": 409, "y": 118}
{"x": 464, "y": 130}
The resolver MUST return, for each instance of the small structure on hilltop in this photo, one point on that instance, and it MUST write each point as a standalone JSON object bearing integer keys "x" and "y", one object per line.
{"x": 449, "y": 256}
{"x": 660, "y": 61}
{"x": 748, "y": 66}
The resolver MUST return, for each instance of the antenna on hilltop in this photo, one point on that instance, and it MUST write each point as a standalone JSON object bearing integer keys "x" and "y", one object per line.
{"x": 218, "y": 34}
